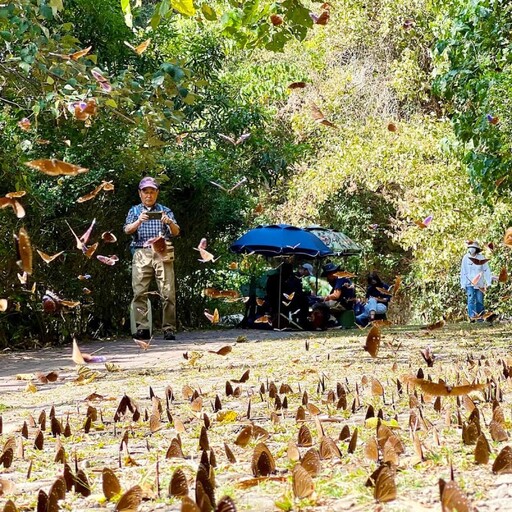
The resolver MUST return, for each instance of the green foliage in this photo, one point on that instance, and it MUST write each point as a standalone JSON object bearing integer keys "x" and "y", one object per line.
{"x": 162, "y": 116}
{"x": 473, "y": 68}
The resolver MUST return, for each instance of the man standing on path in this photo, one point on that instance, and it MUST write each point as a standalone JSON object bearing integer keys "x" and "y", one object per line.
{"x": 475, "y": 277}
{"x": 148, "y": 221}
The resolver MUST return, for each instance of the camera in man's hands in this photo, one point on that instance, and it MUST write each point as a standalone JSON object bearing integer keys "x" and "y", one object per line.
{"x": 154, "y": 215}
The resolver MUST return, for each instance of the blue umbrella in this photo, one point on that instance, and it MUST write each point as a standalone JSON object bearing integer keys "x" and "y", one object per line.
{"x": 281, "y": 240}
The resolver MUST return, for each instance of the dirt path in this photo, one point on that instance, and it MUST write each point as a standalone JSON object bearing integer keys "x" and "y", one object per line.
{"x": 124, "y": 351}
{"x": 305, "y": 370}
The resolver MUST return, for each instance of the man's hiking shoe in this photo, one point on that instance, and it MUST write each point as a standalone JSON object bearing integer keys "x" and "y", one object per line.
{"x": 142, "y": 334}
{"x": 169, "y": 335}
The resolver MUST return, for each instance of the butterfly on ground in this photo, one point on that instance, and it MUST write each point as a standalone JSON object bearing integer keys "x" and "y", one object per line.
{"x": 234, "y": 141}
{"x": 233, "y": 188}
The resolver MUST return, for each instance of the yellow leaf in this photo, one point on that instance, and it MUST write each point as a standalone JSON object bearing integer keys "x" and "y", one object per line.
{"x": 50, "y": 80}
{"x": 31, "y": 388}
{"x": 227, "y": 416}
{"x": 111, "y": 103}
{"x": 25, "y": 376}
{"x": 185, "y": 7}
{"x": 372, "y": 423}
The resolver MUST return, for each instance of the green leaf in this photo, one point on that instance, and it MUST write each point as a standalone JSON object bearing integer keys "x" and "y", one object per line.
{"x": 50, "y": 80}
{"x": 56, "y": 6}
{"x": 175, "y": 72}
{"x": 185, "y": 7}
{"x": 111, "y": 103}
{"x": 127, "y": 11}
{"x": 208, "y": 12}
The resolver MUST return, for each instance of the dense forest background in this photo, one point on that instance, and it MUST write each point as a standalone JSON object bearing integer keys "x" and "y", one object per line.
{"x": 416, "y": 97}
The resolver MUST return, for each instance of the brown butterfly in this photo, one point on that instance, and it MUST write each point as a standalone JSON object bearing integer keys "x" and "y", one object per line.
{"x": 108, "y": 237}
{"x": 24, "y": 251}
{"x": 276, "y": 20}
{"x": 130, "y": 501}
{"x": 25, "y": 124}
{"x": 102, "y": 81}
{"x": 223, "y": 351}
{"x": 297, "y": 85}
{"x": 373, "y": 341}
{"x": 342, "y": 274}
{"x": 428, "y": 355}
{"x": 215, "y": 318}
{"x": 178, "y": 486}
{"x": 436, "y": 325}
{"x": 104, "y": 185}
{"x": 237, "y": 184}
{"x": 319, "y": 117}
{"x": 263, "y": 319}
{"x": 321, "y": 19}
{"x": 16, "y": 206}
{"x": 74, "y": 56}
{"x": 383, "y": 480}
{"x": 441, "y": 389}
{"x": 235, "y": 142}
{"x": 507, "y": 237}
{"x": 108, "y": 260}
{"x": 110, "y": 483}
{"x": 303, "y": 485}
{"x": 48, "y": 377}
{"x": 503, "y": 462}
{"x": 143, "y": 344}
{"x": 54, "y": 167}
{"x": 452, "y": 498}
{"x": 141, "y": 48}
{"x": 263, "y": 463}
{"x": 478, "y": 261}
{"x": 47, "y": 258}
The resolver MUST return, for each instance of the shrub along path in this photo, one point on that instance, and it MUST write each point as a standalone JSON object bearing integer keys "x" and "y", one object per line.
{"x": 297, "y": 384}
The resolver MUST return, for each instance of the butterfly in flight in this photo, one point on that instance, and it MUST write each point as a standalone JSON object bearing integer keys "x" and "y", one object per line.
{"x": 234, "y": 141}
{"x": 233, "y": 188}
{"x": 422, "y": 224}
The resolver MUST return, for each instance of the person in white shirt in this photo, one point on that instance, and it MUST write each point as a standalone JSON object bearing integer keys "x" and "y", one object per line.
{"x": 475, "y": 278}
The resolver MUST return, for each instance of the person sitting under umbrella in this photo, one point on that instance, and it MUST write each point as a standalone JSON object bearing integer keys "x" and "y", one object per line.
{"x": 285, "y": 296}
{"x": 377, "y": 300}
{"x": 343, "y": 295}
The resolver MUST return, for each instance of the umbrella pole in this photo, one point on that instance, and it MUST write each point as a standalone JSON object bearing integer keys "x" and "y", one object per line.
{"x": 279, "y": 303}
